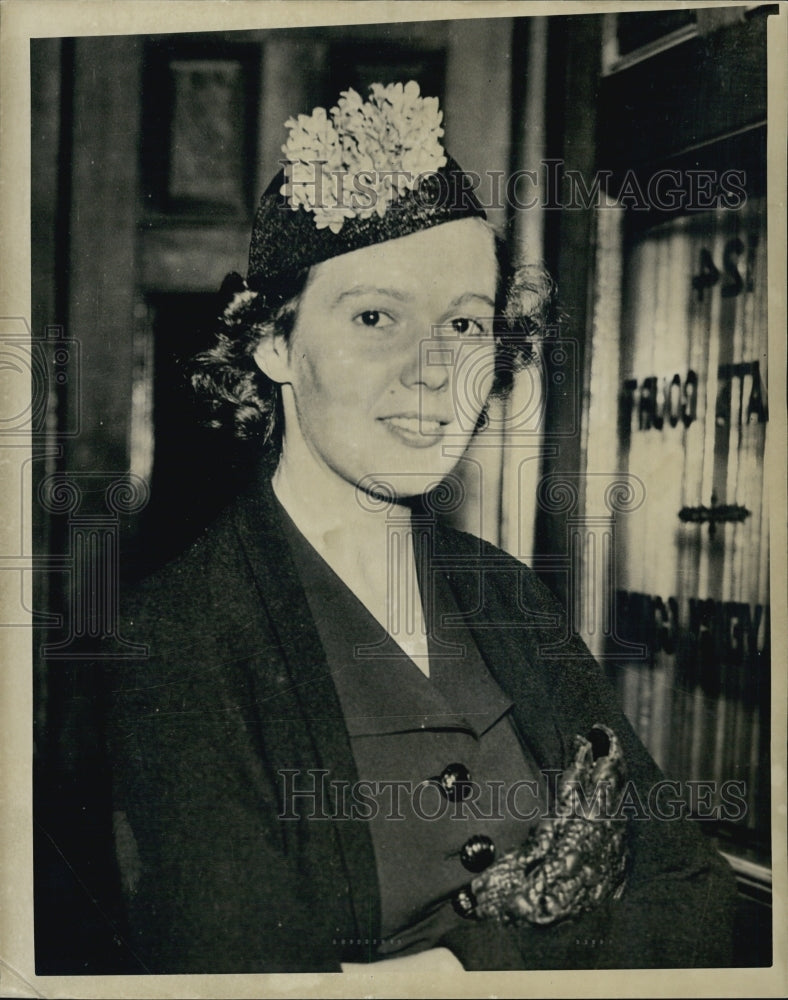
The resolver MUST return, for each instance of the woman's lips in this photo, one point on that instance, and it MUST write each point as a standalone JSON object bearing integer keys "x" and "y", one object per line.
{"x": 418, "y": 432}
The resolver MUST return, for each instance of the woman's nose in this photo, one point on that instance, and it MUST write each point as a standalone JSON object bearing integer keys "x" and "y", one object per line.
{"x": 429, "y": 363}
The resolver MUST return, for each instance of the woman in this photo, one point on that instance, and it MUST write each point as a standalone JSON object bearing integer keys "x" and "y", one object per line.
{"x": 346, "y": 742}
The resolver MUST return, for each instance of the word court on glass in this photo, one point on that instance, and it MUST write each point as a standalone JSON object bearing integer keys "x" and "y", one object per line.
{"x": 655, "y": 403}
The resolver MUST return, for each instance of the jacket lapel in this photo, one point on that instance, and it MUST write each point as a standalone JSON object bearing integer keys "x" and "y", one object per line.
{"x": 339, "y": 851}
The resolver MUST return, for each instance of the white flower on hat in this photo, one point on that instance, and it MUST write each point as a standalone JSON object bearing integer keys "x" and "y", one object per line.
{"x": 363, "y": 157}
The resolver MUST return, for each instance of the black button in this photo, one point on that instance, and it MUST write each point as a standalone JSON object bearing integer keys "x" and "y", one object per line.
{"x": 464, "y": 902}
{"x": 477, "y": 853}
{"x": 455, "y": 780}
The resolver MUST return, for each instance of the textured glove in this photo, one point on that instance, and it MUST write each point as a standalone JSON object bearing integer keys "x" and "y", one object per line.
{"x": 573, "y": 859}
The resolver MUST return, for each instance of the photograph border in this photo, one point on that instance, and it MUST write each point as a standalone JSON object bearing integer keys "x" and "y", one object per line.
{"x": 21, "y": 20}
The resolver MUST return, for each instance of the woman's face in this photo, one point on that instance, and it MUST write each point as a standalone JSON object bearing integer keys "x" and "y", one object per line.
{"x": 391, "y": 358}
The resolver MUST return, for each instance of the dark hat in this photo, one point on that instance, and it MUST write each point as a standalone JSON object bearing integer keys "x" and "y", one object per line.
{"x": 372, "y": 171}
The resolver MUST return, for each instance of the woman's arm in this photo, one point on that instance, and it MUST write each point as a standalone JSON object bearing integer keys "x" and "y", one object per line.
{"x": 678, "y": 905}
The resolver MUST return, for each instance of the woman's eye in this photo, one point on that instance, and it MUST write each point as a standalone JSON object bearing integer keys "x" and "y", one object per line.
{"x": 464, "y": 325}
{"x": 374, "y": 318}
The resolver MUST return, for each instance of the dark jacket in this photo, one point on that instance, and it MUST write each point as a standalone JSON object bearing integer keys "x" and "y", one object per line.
{"x": 236, "y": 688}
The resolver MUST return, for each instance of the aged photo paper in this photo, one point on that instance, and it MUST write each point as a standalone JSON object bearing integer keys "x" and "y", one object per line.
{"x": 634, "y": 155}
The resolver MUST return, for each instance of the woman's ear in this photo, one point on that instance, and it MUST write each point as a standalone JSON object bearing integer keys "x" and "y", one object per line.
{"x": 273, "y": 358}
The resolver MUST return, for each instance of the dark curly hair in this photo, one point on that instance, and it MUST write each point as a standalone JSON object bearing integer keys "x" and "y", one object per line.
{"x": 240, "y": 399}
